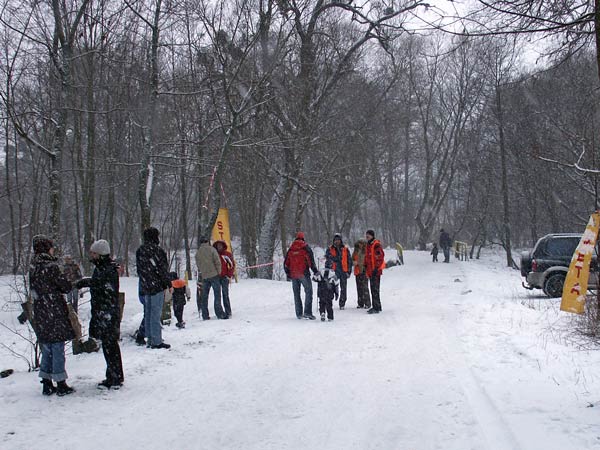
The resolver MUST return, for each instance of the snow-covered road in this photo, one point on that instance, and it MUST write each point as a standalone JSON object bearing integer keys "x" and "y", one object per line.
{"x": 461, "y": 358}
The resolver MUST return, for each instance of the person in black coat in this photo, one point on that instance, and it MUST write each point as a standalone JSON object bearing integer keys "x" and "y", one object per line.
{"x": 153, "y": 270}
{"x": 105, "y": 323}
{"x": 48, "y": 286}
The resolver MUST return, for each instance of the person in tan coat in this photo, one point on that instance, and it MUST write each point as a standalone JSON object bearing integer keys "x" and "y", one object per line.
{"x": 208, "y": 262}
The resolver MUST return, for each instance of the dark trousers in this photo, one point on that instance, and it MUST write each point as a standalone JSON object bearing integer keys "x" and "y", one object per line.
{"x": 435, "y": 257}
{"x": 224, "y": 281}
{"x": 178, "y": 304}
{"x": 446, "y": 254}
{"x": 362, "y": 289}
{"x": 112, "y": 356}
{"x": 374, "y": 282}
{"x": 343, "y": 289}
{"x": 326, "y": 305}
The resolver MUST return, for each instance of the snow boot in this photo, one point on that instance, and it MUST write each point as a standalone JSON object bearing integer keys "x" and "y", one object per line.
{"x": 309, "y": 317}
{"x": 161, "y": 345}
{"x": 47, "y": 387}
{"x": 139, "y": 339}
{"x": 63, "y": 389}
{"x": 322, "y": 317}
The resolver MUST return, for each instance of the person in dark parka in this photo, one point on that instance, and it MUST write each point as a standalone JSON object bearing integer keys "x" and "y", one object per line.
{"x": 48, "y": 286}
{"x": 105, "y": 323}
{"x": 153, "y": 270}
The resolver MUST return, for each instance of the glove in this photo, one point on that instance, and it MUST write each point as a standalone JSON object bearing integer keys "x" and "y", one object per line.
{"x": 22, "y": 318}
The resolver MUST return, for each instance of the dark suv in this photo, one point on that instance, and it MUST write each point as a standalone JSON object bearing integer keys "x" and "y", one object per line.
{"x": 546, "y": 266}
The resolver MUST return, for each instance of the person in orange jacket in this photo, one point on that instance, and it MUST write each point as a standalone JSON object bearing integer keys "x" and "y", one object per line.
{"x": 337, "y": 257}
{"x": 375, "y": 263}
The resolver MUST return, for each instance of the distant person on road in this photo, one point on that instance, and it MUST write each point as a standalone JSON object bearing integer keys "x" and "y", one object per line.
{"x": 434, "y": 252}
{"x": 299, "y": 259}
{"x": 445, "y": 244}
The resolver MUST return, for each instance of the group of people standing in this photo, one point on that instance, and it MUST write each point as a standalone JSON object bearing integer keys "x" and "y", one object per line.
{"x": 367, "y": 262}
{"x": 51, "y": 314}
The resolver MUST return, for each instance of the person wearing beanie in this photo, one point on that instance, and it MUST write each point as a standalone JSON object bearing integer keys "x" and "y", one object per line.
{"x": 47, "y": 287}
{"x": 153, "y": 271}
{"x": 337, "y": 257}
{"x": 375, "y": 263}
{"x": 105, "y": 323}
{"x": 208, "y": 263}
{"x": 298, "y": 260}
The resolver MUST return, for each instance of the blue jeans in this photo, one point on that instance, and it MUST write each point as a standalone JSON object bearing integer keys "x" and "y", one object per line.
{"x": 153, "y": 305}
{"x": 52, "y": 366}
{"x": 308, "y": 293}
{"x": 224, "y": 281}
{"x": 215, "y": 283}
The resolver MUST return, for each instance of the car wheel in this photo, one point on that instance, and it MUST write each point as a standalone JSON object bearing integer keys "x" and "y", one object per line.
{"x": 553, "y": 286}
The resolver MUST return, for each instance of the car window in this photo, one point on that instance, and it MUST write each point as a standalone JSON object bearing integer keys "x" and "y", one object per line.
{"x": 561, "y": 246}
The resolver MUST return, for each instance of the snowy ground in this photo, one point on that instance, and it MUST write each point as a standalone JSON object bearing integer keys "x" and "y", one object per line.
{"x": 461, "y": 358}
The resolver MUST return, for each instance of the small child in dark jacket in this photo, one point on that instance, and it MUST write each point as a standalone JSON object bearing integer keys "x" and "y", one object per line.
{"x": 434, "y": 252}
{"x": 181, "y": 294}
{"x": 327, "y": 290}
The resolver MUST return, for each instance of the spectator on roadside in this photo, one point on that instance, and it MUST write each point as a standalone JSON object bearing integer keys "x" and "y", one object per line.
{"x": 209, "y": 265}
{"x": 48, "y": 286}
{"x": 105, "y": 323}
{"x": 153, "y": 270}
{"x": 298, "y": 260}
{"x": 337, "y": 257}
{"x": 227, "y": 271}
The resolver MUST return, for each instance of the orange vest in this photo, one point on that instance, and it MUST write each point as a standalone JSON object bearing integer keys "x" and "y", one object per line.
{"x": 333, "y": 252}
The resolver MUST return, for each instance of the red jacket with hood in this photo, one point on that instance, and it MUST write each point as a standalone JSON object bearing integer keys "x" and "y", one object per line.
{"x": 299, "y": 259}
{"x": 227, "y": 262}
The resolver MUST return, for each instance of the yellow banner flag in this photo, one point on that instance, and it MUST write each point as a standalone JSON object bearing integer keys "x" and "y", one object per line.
{"x": 576, "y": 283}
{"x": 221, "y": 231}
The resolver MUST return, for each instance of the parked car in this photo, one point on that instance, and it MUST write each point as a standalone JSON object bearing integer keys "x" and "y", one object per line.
{"x": 546, "y": 266}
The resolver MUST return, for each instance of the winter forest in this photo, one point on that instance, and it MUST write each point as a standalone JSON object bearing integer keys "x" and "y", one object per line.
{"x": 327, "y": 116}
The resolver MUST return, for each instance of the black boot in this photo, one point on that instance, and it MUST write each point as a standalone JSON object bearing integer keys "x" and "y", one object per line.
{"x": 63, "y": 389}
{"x": 47, "y": 387}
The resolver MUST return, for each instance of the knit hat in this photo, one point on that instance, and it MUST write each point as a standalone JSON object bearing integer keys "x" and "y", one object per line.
{"x": 337, "y": 236}
{"x": 101, "y": 247}
{"x": 370, "y": 233}
{"x": 300, "y": 235}
{"x": 42, "y": 244}
{"x": 151, "y": 235}
{"x": 203, "y": 239}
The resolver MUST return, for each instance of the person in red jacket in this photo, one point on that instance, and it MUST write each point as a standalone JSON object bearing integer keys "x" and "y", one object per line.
{"x": 227, "y": 271}
{"x": 375, "y": 263}
{"x": 298, "y": 260}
